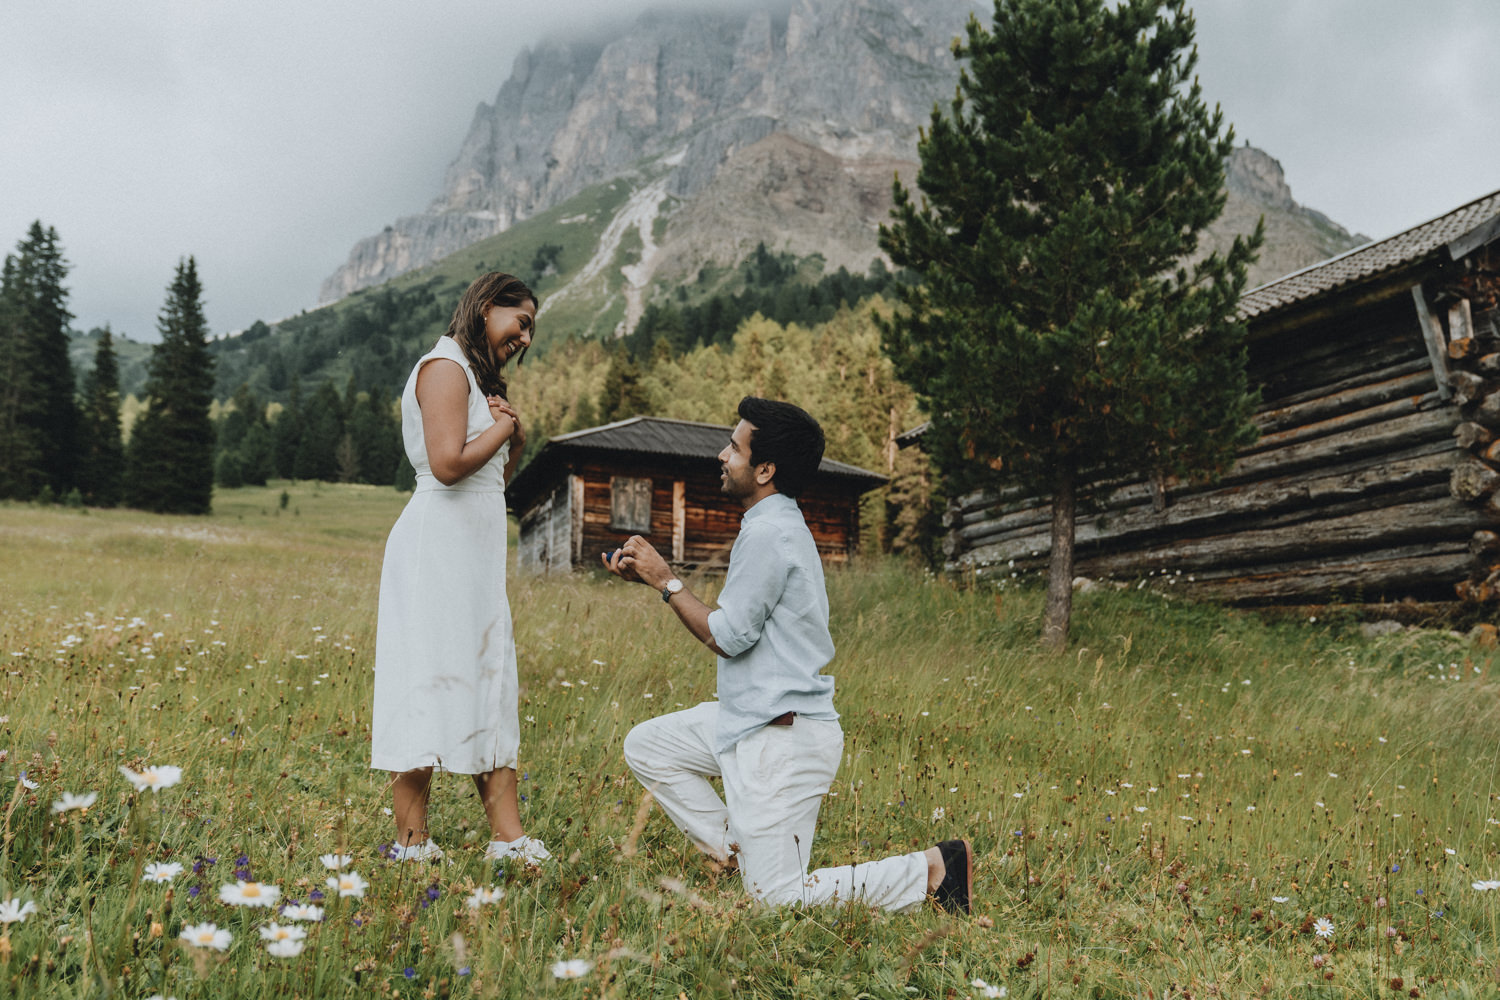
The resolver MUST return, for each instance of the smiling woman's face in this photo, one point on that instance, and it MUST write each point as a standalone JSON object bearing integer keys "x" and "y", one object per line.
{"x": 508, "y": 329}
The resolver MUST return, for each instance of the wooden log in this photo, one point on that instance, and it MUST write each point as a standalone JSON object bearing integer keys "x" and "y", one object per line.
{"x": 1472, "y": 479}
{"x": 1484, "y": 544}
{"x": 1460, "y": 324}
{"x": 1470, "y": 435}
{"x": 1094, "y": 540}
{"x": 1353, "y": 398}
{"x": 1467, "y": 387}
{"x": 1464, "y": 347}
{"x": 1431, "y": 330}
{"x": 1491, "y": 453}
{"x": 1352, "y": 407}
{"x": 1488, "y": 412}
{"x": 1339, "y": 447}
{"x": 1489, "y": 363}
{"x": 1371, "y": 579}
{"x": 1365, "y": 376}
{"x": 1433, "y": 521}
{"x": 1345, "y": 421}
{"x": 1305, "y": 373}
{"x": 1337, "y": 481}
{"x": 1233, "y": 502}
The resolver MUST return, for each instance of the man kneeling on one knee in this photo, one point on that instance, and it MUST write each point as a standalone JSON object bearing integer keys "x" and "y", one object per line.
{"x": 773, "y": 735}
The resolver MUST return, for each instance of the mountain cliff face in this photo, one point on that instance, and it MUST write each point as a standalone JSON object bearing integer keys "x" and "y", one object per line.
{"x": 1296, "y": 236}
{"x": 737, "y": 126}
{"x": 848, "y": 79}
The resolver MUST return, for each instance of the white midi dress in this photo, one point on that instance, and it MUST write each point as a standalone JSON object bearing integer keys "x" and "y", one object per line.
{"x": 445, "y": 656}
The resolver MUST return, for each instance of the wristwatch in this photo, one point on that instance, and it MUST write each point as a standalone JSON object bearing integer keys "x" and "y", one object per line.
{"x": 674, "y": 586}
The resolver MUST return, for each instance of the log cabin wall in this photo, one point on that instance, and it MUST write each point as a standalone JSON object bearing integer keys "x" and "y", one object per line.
{"x": 1472, "y": 304}
{"x": 1374, "y": 477}
{"x": 546, "y": 533}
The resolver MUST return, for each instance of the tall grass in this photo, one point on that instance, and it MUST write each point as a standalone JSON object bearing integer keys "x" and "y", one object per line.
{"x": 1167, "y": 809}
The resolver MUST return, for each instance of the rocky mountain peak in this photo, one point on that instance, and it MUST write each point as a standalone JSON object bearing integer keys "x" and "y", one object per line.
{"x": 852, "y": 78}
{"x": 779, "y": 123}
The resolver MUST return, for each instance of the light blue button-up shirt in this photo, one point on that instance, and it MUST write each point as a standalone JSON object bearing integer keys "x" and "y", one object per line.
{"x": 772, "y": 620}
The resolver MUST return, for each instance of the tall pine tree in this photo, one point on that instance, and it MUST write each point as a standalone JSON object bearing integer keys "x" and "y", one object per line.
{"x": 38, "y": 414}
{"x": 170, "y": 460}
{"x": 101, "y": 451}
{"x": 20, "y": 449}
{"x": 1057, "y": 337}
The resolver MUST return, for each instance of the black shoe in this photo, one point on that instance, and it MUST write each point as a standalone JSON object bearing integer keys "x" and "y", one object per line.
{"x": 953, "y": 893}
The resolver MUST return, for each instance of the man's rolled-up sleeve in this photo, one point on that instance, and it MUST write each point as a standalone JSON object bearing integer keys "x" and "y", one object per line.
{"x": 751, "y": 592}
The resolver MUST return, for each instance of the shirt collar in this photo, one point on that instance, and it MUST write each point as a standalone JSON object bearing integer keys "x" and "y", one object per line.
{"x": 773, "y": 504}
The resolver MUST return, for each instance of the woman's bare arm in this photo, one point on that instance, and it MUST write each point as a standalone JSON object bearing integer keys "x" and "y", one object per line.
{"x": 443, "y": 395}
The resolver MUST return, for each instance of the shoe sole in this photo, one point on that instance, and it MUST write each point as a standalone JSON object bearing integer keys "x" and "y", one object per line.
{"x": 968, "y": 858}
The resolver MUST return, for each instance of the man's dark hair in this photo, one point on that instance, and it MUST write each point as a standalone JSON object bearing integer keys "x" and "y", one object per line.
{"x": 788, "y": 437}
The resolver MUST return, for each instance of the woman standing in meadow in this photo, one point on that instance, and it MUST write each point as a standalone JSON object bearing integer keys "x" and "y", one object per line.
{"x": 445, "y": 659}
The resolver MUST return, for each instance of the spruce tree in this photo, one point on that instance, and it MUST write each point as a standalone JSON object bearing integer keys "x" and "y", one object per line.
{"x": 322, "y": 428}
{"x": 1057, "y": 337}
{"x": 623, "y": 396}
{"x": 169, "y": 467}
{"x": 38, "y": 414}
{"x": 286, "y": 432}
{"x": 257, "y": 454}
{"x": 20, "y": 445}
{"x": 375, "y": 430}
{"x": 101, "y": 450}
{"x": 243, "y": 456}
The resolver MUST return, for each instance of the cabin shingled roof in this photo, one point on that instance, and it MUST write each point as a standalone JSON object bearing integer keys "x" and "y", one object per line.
{"x": 1478, "y": 218}
{"x": 659, "y": 436}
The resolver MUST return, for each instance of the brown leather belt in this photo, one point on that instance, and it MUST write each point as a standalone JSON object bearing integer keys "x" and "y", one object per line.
{"x": 784, "y": 719}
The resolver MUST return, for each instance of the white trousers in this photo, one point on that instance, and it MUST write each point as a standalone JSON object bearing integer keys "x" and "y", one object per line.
{"x": 774, "y": 782}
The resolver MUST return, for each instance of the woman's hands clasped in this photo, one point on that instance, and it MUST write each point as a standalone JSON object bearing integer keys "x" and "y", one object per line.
{"x": 500, "y": 407}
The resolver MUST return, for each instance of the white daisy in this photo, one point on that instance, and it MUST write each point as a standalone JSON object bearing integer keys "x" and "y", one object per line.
{"x": 154, "y": 778}
{"x": 573, "y": 968}
{"x": 349, "y": 884}
{"x": 69, "y": 801}
{"x": 286, "y": 948}
{"x": 162, "y": 871}
{"x": 333, "y": 862}
{"x": 485, "y": 895}
{"x": 13, "y": 910}
{"x": 302, "y": 911}
{"x": 206, "y": 935}
{"x": 242, "y": 893}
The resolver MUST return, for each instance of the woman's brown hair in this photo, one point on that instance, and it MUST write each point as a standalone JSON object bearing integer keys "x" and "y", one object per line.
{"x": 467, "y": 325}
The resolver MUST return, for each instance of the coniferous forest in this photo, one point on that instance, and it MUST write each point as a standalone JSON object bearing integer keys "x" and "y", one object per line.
{"x": 317, "y": 396}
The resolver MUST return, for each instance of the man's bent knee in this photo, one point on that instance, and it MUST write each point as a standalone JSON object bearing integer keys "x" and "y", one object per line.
{"x": 637, "y": 749}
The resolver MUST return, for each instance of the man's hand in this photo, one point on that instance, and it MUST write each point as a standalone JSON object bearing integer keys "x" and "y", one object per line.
{"x": 639, "y": 561}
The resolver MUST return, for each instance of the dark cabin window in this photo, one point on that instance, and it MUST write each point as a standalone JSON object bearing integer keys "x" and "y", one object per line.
{"x": 630, "y": 504}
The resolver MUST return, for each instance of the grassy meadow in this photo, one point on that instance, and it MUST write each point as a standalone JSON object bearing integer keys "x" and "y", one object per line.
{"x": 1189, "y": 803}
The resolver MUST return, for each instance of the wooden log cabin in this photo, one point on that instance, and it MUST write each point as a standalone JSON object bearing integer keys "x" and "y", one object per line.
{"x": 586, "y": 492}
{"x": 1374, "y": 478}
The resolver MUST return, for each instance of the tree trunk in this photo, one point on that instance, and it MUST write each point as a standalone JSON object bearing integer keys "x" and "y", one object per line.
{"x": 1059, "y": 607}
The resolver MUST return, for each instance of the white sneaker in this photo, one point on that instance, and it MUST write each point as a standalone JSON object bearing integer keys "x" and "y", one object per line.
{"x": 425, "y": 851}
{"x": 528, "y": 849}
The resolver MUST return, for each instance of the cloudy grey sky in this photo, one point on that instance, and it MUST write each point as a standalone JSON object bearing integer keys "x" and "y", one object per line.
{"x": 265, "y": 138}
